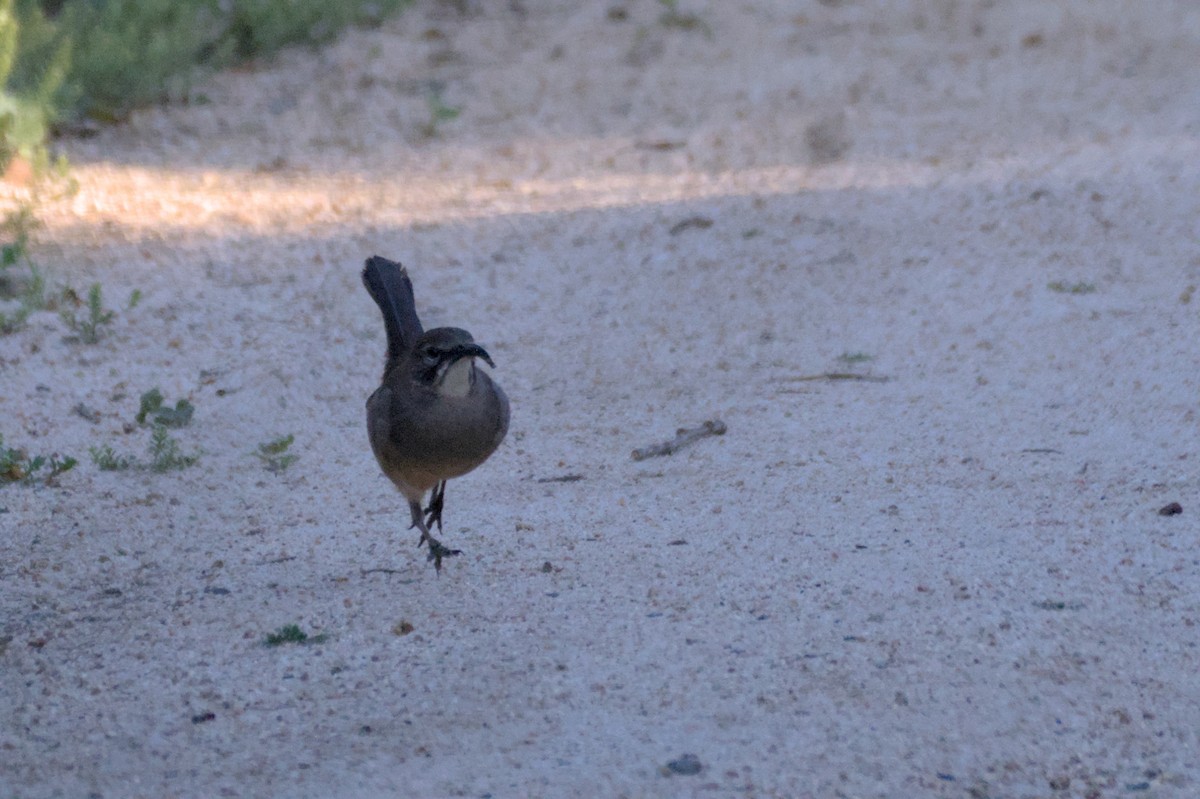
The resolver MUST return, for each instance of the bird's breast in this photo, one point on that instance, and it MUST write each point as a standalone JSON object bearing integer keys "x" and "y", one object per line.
{"x": 456, "y": 379}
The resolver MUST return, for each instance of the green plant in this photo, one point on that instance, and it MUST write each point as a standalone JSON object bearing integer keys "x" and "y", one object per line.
{"x": 102, "y": 58}
{"x": 87, "y": 327}
{"x": 855, "y": 357}
{"x": 31, "y": 298}
{"x": 16, "y": 231}
{"x": 1071, "y": 288}
{"x": 18, "y": 225}
{"x": 672, "y": 17}
{"x": 29, "y": 289}
{"x": 35, "y": 59}
{"x": 55, "y": 464}
{"x": 292, "y": 634}
{"x": 274, "y": 454}
{"x": 17, "y": 466}
{"x": 153, "y": 407}
{"x": 165, "y": 453}
{"x": 260, "y": 27}
{"x": 439, "y": 112}
{"x": 128, "y": 53}
{"x": 109, "y": 461}
{"x": 12, "y": 462}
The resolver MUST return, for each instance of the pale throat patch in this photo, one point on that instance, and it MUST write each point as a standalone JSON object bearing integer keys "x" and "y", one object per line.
{"x": 456, "y": 379}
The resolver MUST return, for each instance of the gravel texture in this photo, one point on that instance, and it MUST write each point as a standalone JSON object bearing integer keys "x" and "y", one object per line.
{"x": 948, "y": 580}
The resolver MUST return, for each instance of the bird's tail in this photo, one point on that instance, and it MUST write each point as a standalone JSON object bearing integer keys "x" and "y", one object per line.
{"x": 388, "y": 284}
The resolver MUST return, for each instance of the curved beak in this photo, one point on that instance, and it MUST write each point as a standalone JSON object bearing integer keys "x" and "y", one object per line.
{"x": 472, "y": 351}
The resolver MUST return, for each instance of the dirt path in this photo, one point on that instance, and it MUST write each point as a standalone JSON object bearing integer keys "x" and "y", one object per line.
{"x": 951, "y": 582}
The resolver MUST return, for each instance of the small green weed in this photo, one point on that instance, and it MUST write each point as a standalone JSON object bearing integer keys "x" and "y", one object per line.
{"x": 30, "y": 297}
{"x": 55, "y": 466}
{"x": 87, "y": 327}
{"x": 16, "y": 466}
{"x": 439, "y": 112}
{"x": 16, "y": 228}
{"x": 672, "y": 17}
{"x": 165, "y": 453}
{"x": 33, "y": 296}
{"x": 292, "y": 634}
{"x": 1063, "y": 287}
{"x": 153, "y": 407}
{"x": 109, "y": 461}
{"x": 855, "y": 357}
{"x": 275, "y": 455}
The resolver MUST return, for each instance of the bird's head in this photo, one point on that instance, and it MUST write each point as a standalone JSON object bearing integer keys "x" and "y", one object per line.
{"x": 444, "y": 358}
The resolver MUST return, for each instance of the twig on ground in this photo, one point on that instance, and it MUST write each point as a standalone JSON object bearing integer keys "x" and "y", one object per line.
{"x": 837, "y": 376}
{"x": 382, "y": 570}
{"x": 683, "y": 437}
{"x": 562, "y": 478}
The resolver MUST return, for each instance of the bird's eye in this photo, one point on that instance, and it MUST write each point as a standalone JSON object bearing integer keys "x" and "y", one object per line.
{"x": 429, "y": 352}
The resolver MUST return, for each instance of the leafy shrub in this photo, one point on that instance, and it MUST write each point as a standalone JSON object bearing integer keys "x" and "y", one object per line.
{"x": 66, "y": 59}
{"x": 133, "y": 52}
{"x": 35, "y": 60}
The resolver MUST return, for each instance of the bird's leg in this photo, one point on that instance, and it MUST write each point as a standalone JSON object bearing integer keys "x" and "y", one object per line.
{"x": 434, "y": 511}
{"x": 437, "y": 550}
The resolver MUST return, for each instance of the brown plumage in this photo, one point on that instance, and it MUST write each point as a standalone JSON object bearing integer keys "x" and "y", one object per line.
{"x": 435, "y": 416}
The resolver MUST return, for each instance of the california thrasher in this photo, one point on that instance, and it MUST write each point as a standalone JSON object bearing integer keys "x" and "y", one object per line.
{"x": 435, "y": 416}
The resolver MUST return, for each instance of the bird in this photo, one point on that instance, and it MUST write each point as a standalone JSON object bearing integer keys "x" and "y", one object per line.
{"x": 435, "y": 415}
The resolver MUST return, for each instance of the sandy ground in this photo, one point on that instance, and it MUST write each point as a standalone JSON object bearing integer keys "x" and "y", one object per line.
{"x": 952, "y": 582}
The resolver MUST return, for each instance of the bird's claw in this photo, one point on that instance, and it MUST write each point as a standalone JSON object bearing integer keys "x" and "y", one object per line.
{"x": 437, "y": 551}
{"x": 433, "y": 513}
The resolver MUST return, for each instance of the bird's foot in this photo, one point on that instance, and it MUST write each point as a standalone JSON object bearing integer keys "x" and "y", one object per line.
{"x": 433, "y": 513}
{"x": 437, "y": 551}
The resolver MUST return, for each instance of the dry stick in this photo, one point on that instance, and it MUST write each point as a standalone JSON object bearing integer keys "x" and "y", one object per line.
{"x": 564, "y": 478}
{"x": 836, "y": 376}
{"x": 683, "y": 437}
{"x": 701, "y": 222}
{"x": 381, "y": 570}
